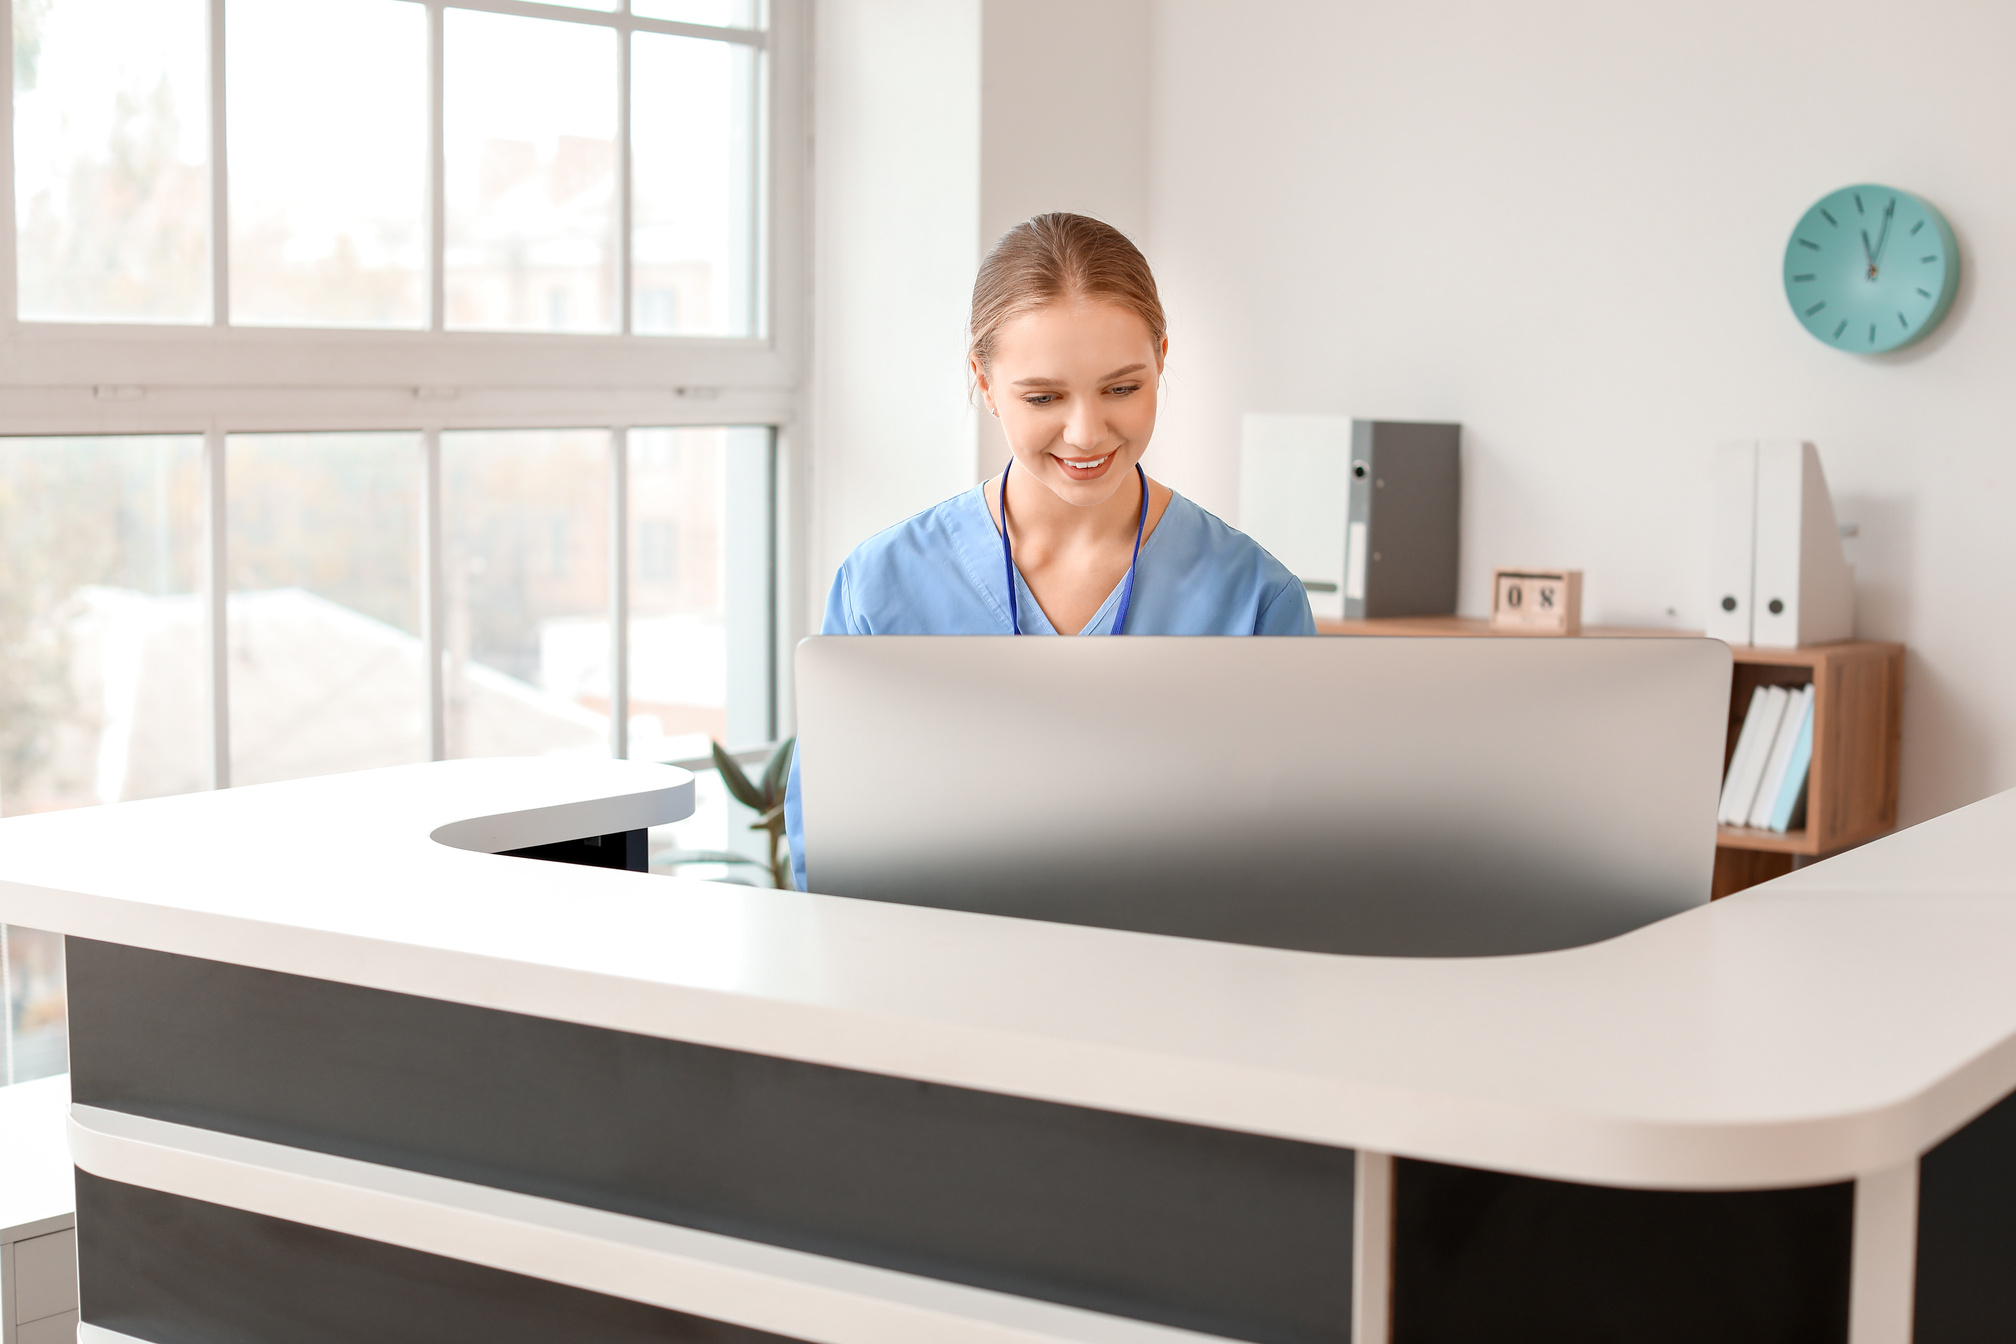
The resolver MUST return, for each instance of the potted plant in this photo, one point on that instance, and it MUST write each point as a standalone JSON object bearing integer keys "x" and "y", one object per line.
{"x": 765, "y": 797}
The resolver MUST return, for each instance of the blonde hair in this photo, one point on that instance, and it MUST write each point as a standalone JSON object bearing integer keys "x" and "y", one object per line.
{"x": 1055, "y": 257}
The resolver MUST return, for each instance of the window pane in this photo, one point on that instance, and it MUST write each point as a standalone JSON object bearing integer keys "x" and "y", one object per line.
{"x": 700, "y": 618}
{"x": 34, "y": 1035}
{"x": 327, "y": 669}
{"x": 722, "y": 13}
{"x": 678, "y": 634}
{"x": 700, "y": 611}
{"x": 693, "y": 131}
{"x": 103, "y": 691}
{"x": 111, "y": 193}
{"x": 531, "y": 145}
{"x": 328, "y": 211}
{"x": 525, "y": 528}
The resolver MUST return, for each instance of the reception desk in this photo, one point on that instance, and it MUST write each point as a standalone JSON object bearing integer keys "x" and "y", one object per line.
{"x": 342, "y": 1070}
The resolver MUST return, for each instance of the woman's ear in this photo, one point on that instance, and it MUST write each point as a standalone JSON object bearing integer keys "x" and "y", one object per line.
{"x": 980, "y": 381}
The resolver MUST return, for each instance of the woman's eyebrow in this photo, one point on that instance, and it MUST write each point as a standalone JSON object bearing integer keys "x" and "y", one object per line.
{"x": 1059, "y": 382}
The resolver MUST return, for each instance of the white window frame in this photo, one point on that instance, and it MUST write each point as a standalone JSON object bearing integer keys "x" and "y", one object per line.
{"x": 214, "y": 380}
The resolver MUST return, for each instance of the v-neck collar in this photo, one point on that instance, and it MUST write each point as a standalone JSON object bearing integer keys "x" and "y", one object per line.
{"x": 980, "y": 556}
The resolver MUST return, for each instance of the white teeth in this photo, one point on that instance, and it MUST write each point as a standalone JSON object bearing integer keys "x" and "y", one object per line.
{"x": 1086, "y": 466}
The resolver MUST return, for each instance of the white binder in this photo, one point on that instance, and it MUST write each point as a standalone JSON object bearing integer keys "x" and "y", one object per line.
{"x": 1805, "y": 590}
{"x": 1780, "y": 579}
{"x": 1294, "y": 489}
{"x": 1732, "y": 563}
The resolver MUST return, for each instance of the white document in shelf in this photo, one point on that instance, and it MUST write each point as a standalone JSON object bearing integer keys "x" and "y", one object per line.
{"x": 1728, "y": 812}
{"x": 1796, "y": 772}
{"x": 1781, "y": 756}
{"x": 1769, "y": 713}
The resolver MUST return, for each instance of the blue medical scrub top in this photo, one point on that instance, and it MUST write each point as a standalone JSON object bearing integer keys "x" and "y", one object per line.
{"x": 940, "y": 573}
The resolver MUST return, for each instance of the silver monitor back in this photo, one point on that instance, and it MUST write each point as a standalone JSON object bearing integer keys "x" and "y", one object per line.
{"x": 1398, "y": 797}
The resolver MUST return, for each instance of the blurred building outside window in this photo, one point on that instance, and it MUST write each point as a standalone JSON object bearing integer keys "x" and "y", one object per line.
{"x": 327, "y": 667}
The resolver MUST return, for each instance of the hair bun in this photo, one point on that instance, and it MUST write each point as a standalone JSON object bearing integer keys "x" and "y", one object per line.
{"x": 1053, "y": 257}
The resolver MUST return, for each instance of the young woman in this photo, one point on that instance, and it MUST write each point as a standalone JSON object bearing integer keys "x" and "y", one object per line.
{"x": 1073, "y": 536}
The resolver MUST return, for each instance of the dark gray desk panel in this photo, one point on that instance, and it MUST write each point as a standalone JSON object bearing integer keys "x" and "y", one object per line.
{"x": 1967, "y": 1233}
{"x": 628, "y": 850}
{"x": 179, "y": 1271}
{"x": 1481, "y": 1256}
{"x": 1230, "y": 1234}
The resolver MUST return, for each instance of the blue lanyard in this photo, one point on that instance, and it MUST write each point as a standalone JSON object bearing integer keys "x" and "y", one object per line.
{"x": 1126, "y": 588}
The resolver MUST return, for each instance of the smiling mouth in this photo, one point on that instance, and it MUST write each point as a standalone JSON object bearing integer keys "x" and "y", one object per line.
{"x": 1088, "y": 464}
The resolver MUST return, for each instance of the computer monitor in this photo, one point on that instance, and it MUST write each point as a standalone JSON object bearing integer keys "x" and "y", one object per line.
{"x": 1391, "y": 796}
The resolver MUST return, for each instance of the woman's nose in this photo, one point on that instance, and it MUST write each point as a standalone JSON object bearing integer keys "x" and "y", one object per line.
{"x": 1085, "y": 430}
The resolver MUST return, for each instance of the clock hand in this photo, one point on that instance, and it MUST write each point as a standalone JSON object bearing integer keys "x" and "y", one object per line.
{"x": 1884, "y": 236}
{"x": 1868, "y": 255}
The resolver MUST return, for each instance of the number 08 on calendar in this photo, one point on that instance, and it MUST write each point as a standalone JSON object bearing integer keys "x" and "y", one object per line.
{"x": 1537, "y": 601}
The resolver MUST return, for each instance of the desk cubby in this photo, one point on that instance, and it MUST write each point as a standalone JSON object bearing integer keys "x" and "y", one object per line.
{"x": 1851, "y": 791}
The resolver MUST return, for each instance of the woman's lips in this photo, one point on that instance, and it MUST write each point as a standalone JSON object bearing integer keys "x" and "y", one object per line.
{"x": 1085, "y": 468}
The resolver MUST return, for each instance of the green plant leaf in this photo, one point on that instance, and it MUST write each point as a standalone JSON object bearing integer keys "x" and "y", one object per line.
{"x": 770, "y": 820}
{"x": 737, "y": 782}
{"x": 775, "y": 774}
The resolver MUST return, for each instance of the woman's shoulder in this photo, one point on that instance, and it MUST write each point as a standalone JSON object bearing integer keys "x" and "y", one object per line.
{"x": 924, "y": 576}
{"x": 1227, "y": 580}
{"x": 1210, "y": 540}
{"x": 929, "y": 535}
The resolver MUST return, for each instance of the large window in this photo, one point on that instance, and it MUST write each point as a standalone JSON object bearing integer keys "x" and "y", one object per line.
{"x": 549, "y": 168}
{"x": 386, "y": 381}
{"x": 563, "y": 556}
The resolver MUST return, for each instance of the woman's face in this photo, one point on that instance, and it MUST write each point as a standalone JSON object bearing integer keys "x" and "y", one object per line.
{"x": 1074, "y": 384}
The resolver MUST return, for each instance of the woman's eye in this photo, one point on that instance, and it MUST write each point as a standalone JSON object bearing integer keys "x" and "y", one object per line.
{"x": 1040, "y": 399}
{"x": 1125, "y": 389}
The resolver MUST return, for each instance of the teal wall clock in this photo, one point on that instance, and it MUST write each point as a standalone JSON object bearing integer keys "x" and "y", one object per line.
{"x": 1871, "y": 268}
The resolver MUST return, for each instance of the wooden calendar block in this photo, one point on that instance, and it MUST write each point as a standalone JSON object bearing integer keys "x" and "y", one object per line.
{"x": 1537, "y": 601}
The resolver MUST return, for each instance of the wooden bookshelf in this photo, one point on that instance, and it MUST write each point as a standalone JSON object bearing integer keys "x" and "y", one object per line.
{"x": 1858, "y": 715}
{"x": 1851, "y": 790}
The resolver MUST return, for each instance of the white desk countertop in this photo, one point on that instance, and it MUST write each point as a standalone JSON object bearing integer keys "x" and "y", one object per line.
{"x": 1830, "y": 1024}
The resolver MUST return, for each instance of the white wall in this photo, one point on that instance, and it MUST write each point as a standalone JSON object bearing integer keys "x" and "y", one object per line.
{"x": 1561, "y": 223}
{"x": 896, "y": 173}
{"x": 938, "y": 124}
{"x": 1064, "y": 90}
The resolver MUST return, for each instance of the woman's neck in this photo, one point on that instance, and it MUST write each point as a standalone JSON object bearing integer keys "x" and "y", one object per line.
{"x": 1072, "y": 556}
{"x": 1042, "y": 523}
